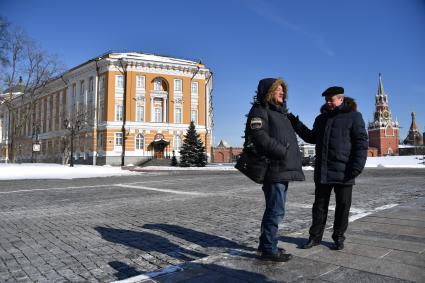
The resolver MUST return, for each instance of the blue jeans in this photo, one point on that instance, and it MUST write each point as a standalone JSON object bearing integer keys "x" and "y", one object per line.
{"x": 275, "y": 195}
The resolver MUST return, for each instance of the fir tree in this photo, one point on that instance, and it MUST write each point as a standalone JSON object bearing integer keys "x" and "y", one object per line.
{"x": 193, "y": 151}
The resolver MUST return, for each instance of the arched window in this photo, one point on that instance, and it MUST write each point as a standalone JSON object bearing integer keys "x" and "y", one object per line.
{"x": 157, "y": 85}
{"x": 177, "y": 143}
{"x": 140, "y": 142}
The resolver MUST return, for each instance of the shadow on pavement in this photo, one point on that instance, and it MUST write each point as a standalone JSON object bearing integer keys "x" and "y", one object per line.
{"x": 124, "y": 271}
{"x": 300, "y": 241}
{"x": 147, "y": 242}
{"x": 194, "y": 272}
{"x": 200, "y": 238}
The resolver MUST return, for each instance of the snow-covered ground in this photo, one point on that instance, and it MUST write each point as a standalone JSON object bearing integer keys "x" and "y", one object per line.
{"x": 56, "y": 171}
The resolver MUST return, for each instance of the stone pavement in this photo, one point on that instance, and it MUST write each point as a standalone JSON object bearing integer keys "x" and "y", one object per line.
{"x": 387, "y": 246}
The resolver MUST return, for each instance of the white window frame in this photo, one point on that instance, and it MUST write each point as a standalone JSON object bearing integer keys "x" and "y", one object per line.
{"x": 119, "y": 111}
{"x": 140, "y": 118}
{"x": 195, "y": 121}
{"x": 60, "y": 108}
{"x": 118, "y": 141}
{"x": 119, "y": 81}
{"x": 141, "y": 82}
{"x": 157, "y": 85}
{"x": 119, "y": 85}
{"x": 54, "y": 113}
{"x": 178, "y": 82}
{"x": 177, "y": 145}
{"x": 178, "y": 118}
{"x": 137, "y": 142}
{"x": 158, "y": 114}
{"x": 48, "y": 114}
{"x": 194, "y": 88}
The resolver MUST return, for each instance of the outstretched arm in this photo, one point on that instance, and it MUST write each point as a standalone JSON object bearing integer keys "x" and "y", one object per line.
{"x": 302, "y": 130}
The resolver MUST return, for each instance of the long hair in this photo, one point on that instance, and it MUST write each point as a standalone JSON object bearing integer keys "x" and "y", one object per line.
{"x": 275, "y": 85}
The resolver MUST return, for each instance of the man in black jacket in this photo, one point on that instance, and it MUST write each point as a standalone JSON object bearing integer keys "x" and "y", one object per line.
{"x": 341, "y": 151}
{"x": 270, "y": 132}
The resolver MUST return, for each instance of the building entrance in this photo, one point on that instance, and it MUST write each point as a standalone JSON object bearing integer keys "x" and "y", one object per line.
{"x": 159, "y": 146}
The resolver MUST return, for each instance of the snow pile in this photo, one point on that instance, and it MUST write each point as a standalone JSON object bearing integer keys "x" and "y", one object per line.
{"x": 411, "y": 161}
{"x": 57, "y": 171}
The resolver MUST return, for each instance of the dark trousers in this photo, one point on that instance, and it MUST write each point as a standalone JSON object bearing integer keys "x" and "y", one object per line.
{"x": 275, "y": 196}
{"x": 320, "y": 210}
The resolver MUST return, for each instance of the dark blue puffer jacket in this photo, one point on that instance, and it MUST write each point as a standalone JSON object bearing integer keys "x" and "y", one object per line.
{"x": 274, "y": 137}
{"x": 341, "y": 143}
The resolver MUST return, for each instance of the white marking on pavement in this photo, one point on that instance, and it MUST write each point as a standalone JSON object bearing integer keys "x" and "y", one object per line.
{"x": 329, "y": 271}
{"x": 357, "y": 212}
{"x": 79, "y": 187}
{"x": 62, "y": 188}
{"x": 150, "y": 275}
{"x": 331, "y": 207}
{"x": 382, "y": 256}
{"x": 386, "y": 206}
{"x": 361, "y": 215}
{"x": 158, "y": 190}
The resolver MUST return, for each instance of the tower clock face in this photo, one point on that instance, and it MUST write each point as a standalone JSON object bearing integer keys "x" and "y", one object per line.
{"x": 386, "y": 115}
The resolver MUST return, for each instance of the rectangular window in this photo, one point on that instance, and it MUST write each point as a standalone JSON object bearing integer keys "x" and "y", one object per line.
{"x": 101, "y": 86}
{"x": 140, "y": 82}
{"x": 194, "y": 89}
{"x": 119, "y": 112}
{"x": 178, "y": 119}
{"x": 119, "y": 81}
{"x": 178, "y": 85}
{"x": 82, "y": 93}
{"x": 194, "y": 116}
{"x": 158, "y": 116}
{"x": 48, "y": 110}
{"x": 54, "y": 113}
{"x": 118, "y": 139}
{"x": 91, "y": 84}
{"x": 140, "y": 113}
{"x": 157, "y": 85}
{"x": 74, "y": 98}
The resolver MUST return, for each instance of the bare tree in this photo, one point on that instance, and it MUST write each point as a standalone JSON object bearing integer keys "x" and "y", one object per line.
{"x": 27, "y": 70}
{"x": 77, "y": 125}
{"x": 4, "y": 35}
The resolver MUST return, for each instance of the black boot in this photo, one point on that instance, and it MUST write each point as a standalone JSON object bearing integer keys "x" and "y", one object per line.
{"x": 259, "y": 252}
{"x": 278, "y": 257}
{"x": 310, "y": 243}
{"x": 337, "y": 246}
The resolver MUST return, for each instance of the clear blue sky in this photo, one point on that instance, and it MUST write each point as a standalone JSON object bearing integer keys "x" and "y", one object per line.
{"x": 311, "y": 44}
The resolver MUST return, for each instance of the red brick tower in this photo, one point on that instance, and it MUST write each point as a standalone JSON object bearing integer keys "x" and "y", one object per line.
{"x": 383, "y": 131}
{"x": 414, "y": 137}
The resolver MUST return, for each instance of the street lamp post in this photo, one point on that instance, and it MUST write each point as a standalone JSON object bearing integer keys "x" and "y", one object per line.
{"x": 35, "y": 139}
{"x": 73, "y": 128}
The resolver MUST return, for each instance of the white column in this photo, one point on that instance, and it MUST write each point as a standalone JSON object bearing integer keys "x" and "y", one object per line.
{"x": 152, "y": 112}
{"x": 164, "y": 120}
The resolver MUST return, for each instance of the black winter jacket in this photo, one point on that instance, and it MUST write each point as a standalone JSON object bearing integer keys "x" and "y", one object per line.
{"x": 273, "y": 136}
{"x": 341, "y": 143}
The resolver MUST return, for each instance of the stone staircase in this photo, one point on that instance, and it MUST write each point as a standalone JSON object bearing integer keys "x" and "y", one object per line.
{"x": 157, "y": 162}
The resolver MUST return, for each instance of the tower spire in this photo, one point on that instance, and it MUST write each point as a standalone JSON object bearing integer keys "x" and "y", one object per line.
{"x": 413, "y": 126}
{"x": 380, "y": 86}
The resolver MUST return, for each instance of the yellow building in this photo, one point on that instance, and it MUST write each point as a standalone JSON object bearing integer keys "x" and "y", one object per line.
{"x": 148, "y": 99}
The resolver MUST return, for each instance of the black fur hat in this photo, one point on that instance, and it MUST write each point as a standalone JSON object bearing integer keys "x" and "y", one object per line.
{"x": 333, "y": 90}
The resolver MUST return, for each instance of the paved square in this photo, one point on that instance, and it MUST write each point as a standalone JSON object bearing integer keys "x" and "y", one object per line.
{"x": 107, "y": 229}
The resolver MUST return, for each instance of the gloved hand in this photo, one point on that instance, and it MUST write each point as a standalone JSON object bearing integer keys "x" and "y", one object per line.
{"x": 355, "y": 173}
{"x": 292, "y": 118}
